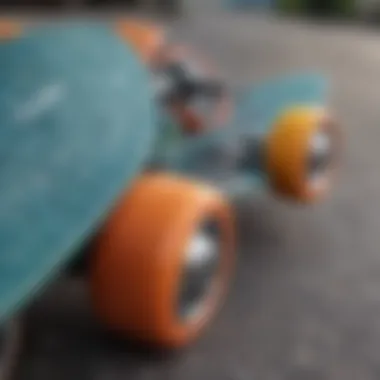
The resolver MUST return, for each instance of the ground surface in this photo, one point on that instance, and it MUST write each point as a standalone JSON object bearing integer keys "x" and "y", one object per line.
{"x": 305, "y": 304}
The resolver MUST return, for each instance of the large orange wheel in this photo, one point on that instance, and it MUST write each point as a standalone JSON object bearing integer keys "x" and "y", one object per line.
{"x": 302, "y": 153}
{"x": 146, "y": 38}
{"x": 162, "y": 260}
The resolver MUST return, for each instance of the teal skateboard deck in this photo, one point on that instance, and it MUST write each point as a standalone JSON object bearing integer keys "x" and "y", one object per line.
{"x": 77, "y": 125}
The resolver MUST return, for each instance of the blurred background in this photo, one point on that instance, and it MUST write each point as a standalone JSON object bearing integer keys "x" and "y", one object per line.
{"x": 366, "y": 9}
{"x": 305, "y": 303}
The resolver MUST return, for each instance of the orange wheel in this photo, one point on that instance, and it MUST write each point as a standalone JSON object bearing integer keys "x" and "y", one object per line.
{"x": 10, "y": 29}
{"x": 302, "y": 154}
{"x": 147, "y": 39}
{"x": 162, "y": 260}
